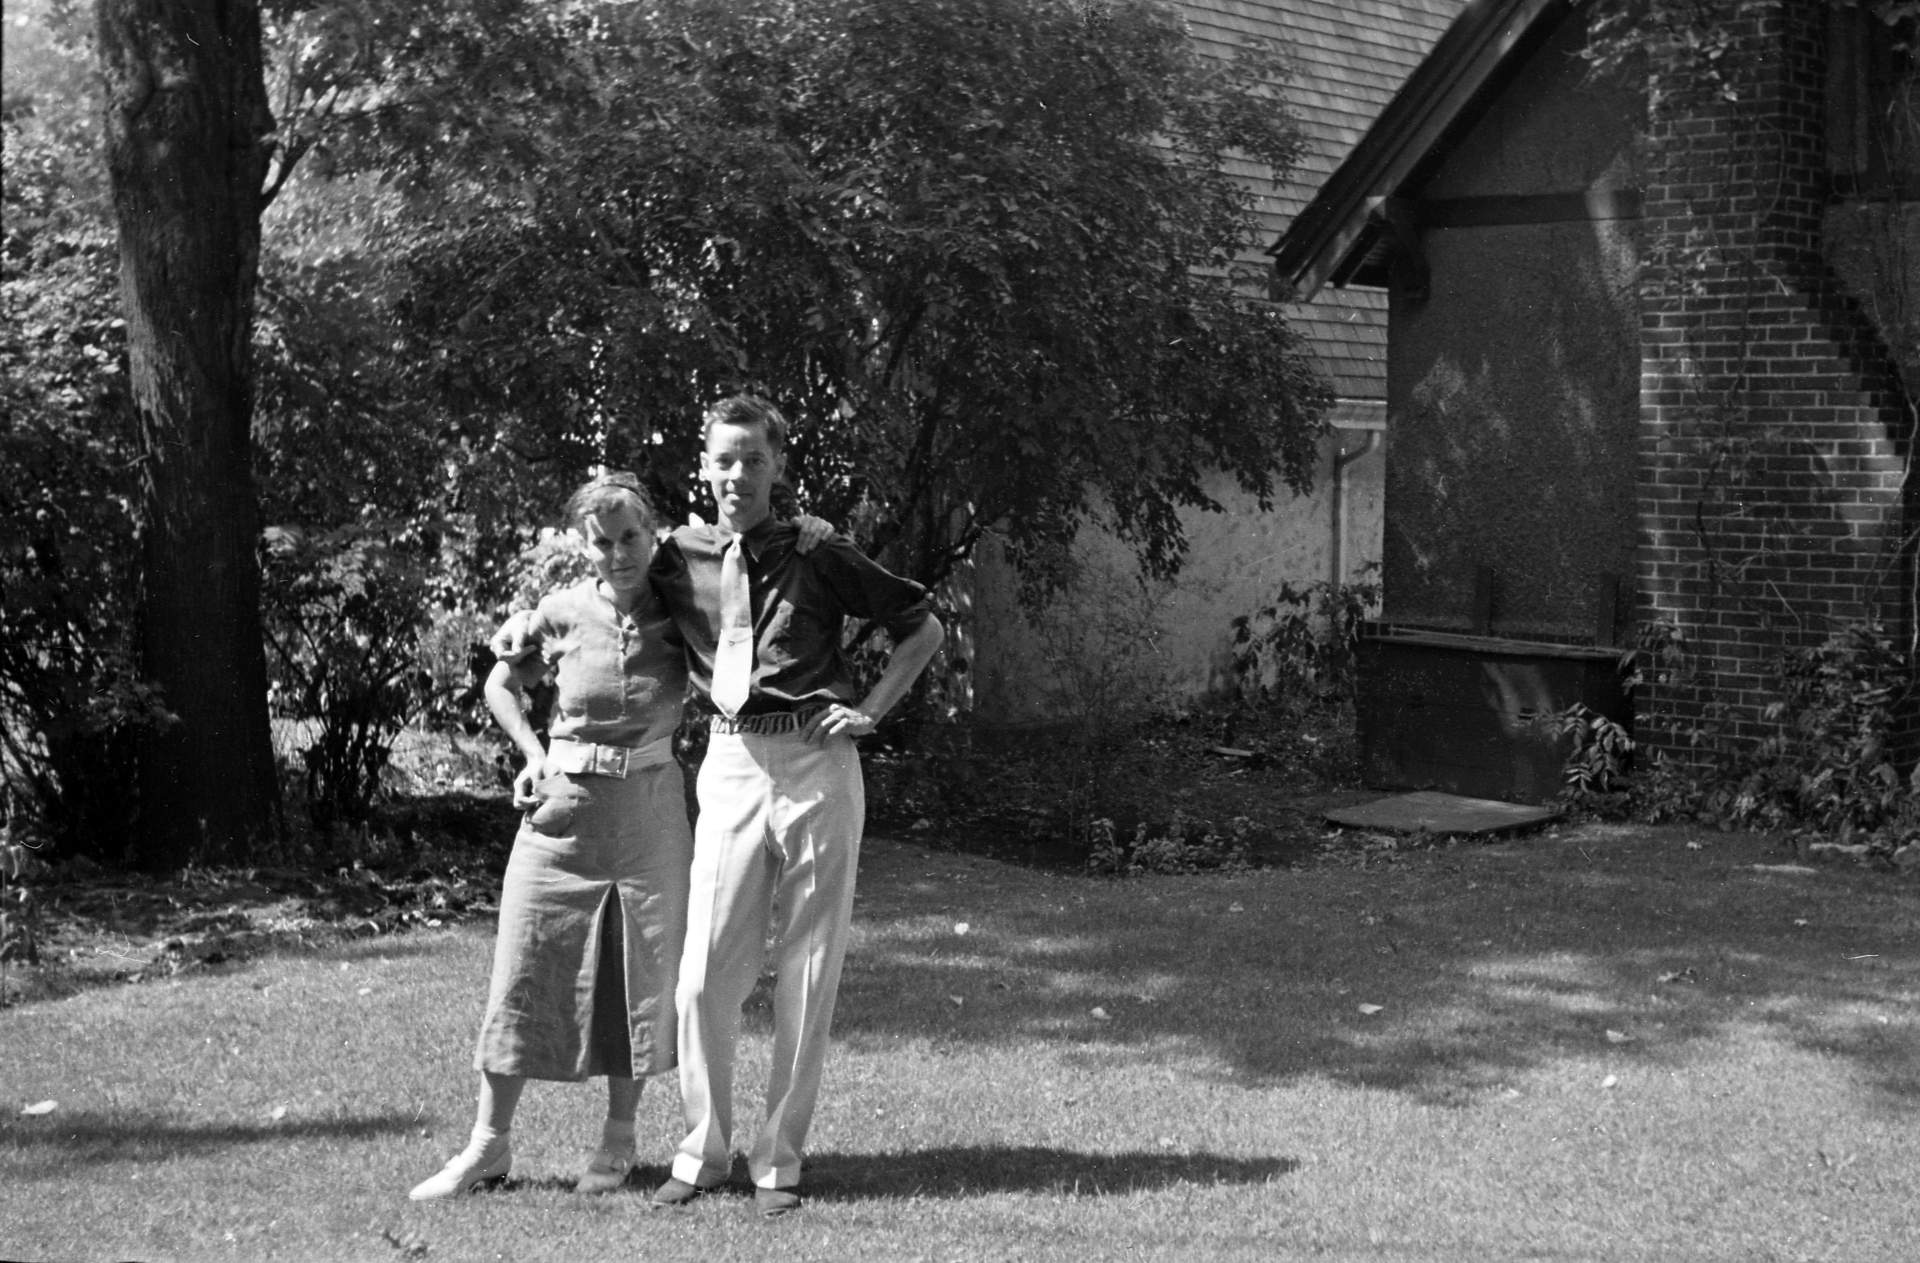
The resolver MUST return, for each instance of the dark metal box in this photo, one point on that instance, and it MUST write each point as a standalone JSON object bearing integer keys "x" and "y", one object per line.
{"x": 1461, "y": 713}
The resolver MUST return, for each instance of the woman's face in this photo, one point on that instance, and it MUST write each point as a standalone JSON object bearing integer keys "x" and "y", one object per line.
{"x": 619, "y": 544}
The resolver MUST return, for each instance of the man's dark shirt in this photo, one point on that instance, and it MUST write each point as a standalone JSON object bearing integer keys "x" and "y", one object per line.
{"x": 800, "y": 604}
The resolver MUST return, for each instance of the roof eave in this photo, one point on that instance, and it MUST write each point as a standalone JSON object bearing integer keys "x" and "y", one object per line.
{"x": 1330, "y": 239}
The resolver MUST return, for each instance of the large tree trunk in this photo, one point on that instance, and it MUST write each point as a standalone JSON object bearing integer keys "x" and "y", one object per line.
{"x": 187, "y": 146}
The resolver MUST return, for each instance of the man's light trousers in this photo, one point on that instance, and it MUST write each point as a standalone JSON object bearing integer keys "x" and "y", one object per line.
{"x": 778, "y": 837}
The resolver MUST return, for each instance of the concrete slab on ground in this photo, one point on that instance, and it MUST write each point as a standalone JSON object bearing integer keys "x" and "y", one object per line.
{"x": 1430, "y": 811}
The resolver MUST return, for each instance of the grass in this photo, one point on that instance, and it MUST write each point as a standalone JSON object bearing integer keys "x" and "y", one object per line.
{"x": 1599, "y": 1043}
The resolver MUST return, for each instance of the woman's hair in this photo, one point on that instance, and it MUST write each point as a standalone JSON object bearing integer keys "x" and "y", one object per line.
{"x": 600, "y": 494}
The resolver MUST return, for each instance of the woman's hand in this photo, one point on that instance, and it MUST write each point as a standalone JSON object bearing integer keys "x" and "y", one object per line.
{"x": 527, "y": 783}
{"x": 814, "y": 531}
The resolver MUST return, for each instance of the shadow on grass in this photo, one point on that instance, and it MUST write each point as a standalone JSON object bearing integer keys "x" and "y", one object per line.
{"x": 84, "y": 1136}
{"x": 1444, "y": 977}
{"x": 968, "y": 1171}
{"x": 971, "y": 1170}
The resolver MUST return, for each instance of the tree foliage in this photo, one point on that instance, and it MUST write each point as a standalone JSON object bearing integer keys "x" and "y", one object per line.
{"x": 339, "y": 442}
{"x": 71, "y": 696}
{"x": 1694, "y": 40}
{"x": 980, "y": 250}
{"x": 983, "y": 251}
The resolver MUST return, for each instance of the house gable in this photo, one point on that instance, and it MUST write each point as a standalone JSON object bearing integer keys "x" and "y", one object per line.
{"x": 1345, "y": 234}
{"x": 1752, "y": 418}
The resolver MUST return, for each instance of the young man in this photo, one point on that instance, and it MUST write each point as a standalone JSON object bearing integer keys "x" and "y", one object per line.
{"x": 782, "y": 804}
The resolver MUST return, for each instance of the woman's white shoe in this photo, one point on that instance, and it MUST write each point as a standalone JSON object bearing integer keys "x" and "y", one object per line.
{"x": 469, "y": 1170}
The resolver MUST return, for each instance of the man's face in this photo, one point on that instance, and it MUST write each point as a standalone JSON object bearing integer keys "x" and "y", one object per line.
{"x": 740, "y": 467}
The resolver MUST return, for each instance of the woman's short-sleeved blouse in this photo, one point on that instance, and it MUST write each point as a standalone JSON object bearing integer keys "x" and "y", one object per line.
{"x": 619, "y": 680}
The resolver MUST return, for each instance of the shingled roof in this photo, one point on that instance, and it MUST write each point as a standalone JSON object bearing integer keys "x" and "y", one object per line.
{"x": 1349, "y": 57}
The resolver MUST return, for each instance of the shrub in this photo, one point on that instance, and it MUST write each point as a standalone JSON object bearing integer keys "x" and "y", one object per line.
{"x": 1187, "y": 844}
{"x": 1832, "y": 765}
{"x": 1599, "y": 754}
{"x": 1304, "y": 646}
{"x": 345, "y": 610}
{"x": 71, "y": 701}
{"x": 454, "y": 661}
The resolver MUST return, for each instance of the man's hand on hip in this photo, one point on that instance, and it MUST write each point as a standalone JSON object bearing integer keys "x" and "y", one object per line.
{"x": 838, "y": 720}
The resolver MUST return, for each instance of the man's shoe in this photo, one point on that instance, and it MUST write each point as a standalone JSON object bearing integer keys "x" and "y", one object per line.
{"x": 606, "y": 1171}
{"x": 470, "y": 1169}
{"x": 771, "y": 1203}
{"x": 677, "y": 1192}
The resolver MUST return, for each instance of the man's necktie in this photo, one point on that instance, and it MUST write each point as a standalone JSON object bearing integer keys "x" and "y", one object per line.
{"x": 733, "y": 657}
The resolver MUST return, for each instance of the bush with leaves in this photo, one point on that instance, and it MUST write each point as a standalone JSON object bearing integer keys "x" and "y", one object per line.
{"x": 345, "y": 611}
{"x": 392, "y": 543}
{"x": 1186, "y": 844}
{"x": 1599, "y": 757}
{"x": 1304, "y": 646}
{"x": 1831, "y": 767}
{"x": 71, "y": 699}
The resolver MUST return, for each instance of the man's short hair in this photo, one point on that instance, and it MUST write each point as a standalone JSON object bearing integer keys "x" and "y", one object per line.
{"x": 746, "y": 409}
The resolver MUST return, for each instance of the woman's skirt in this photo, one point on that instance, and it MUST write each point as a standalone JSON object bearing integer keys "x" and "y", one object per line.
{"x": 592, "y": 913}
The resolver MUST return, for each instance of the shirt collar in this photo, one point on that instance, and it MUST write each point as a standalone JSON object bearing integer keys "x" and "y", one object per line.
{"x": 754, "y": 540}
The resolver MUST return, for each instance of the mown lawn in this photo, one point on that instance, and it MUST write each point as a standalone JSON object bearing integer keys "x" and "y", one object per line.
{"x": 1598, "y": 1043}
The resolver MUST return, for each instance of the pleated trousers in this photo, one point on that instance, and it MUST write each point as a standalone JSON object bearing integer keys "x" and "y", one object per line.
{"x": 776, "y": 850}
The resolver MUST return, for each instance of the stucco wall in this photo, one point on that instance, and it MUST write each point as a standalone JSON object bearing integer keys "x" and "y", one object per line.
{"x": 1237, "y": 562}
{"x": 1513, "y": 386}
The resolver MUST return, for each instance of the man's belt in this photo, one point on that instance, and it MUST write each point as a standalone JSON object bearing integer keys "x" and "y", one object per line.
{"x": 769, "y": 723}
{"x": 577, "y": 758}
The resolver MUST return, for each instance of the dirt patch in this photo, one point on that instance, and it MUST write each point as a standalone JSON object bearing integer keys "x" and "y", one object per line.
{"x": 433, "y": 861}
{"x": 91, "y": 929}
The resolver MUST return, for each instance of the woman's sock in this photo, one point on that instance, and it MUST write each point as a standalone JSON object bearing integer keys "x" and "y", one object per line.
{"x": 487, "y": 1140}
{"x": 617, "y": 1135}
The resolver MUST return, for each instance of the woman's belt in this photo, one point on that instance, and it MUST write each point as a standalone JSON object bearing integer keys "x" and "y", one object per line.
{"x": 576, "y": 758}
